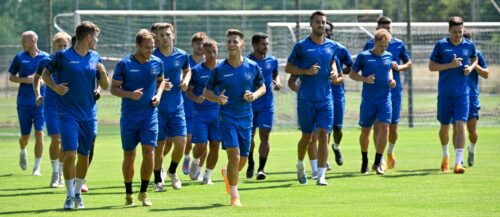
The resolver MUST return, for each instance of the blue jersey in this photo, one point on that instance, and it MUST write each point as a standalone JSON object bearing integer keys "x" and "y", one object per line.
{"x": 453, "y": 82}
{"x": 380, "y": 66}
{"x": 23, "y": 66}
{"x": 399, "y": 53}
{"x": 50, "y": 95}
{"x": 80, "y": 73}
{"x": 188, "y": 104}
{"x": 269, "y": 67}
{"x": 235, "y": 81}
{"x": 474, "y": 77}
{"x": 199, "y": 78}
{"x": 305, "y": 54}
{"x": 173, "y": 66}
{"x": 342, "y": 57}
{"x": 136, "y": 75}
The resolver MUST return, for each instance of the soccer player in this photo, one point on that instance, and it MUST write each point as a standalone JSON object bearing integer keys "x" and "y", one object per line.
{"x": 21, "y": 71}
{"x": 263, "y": 108}
{"x": 194, "y": 59}
{"x": 474, "y": 105}
{"x": 171, "y": 116}
{"x": 313, "y": 60}
{"x": 206, "y": 126}
{"x": 240, "y": 81}
{"x": 138, "y": 79}
{"x": 60, "y": 41}
{"x": 455, "y": 58}
{"x": 401, "y": 62}
{"x": 76, "y": 71}
{"x": 375, "y": 65}
{"x": 343, "y": 57}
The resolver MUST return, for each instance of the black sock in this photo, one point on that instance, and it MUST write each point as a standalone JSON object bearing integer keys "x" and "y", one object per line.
{"x": 378, "y": 157}
{"x": 262, "y": 163}
{"x": 365, "y": 156}
{"x": 251, "y": 162}
{"x": 173, "y": 167}
{"x": 128, "y": 187}
{"x": 157, "y": 174}
{"x": 144, "y": 185}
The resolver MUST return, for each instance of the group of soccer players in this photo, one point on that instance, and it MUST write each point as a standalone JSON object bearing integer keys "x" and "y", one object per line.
{"x": 172, "y": 98}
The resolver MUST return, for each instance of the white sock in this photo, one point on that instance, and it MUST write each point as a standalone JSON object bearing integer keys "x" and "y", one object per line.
{"x": 55, "y": 165}
{"x": 23, "y": 152}
{"x": 314, "y": 165}
{"x": 335, "y": 146}
{"x": 459, "y": 154}
{"x": 196, "y": 161}
{"x": 208, "y": 174}
{"x": 70, "y": 187}
{"x": 78, "y": 185}
{"x": 390, "y": 149}
{"x": 445, "y": 150}
{"x": 198, "y": 170}
{"x": 472, "y": 148}
{"x": 37, "y": 163}
{"x": 322, "y": 171}
{"x": 187, "y": 156}
{"x": 234, "y": 191}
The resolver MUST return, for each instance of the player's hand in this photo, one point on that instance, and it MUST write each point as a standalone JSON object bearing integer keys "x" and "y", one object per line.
{"x": 456, "y": 62}
{"x": 338, "y": 81}
{"x": 62, "y": 89}
{"x": 97, "y": 94}
{"x": 29, "y": 79}
{"x": 222, "y": 99}
{"x": 277, "y": 85}
{"x": 392, "y": 83}
{"x": 467, "y": 70}
{"x": 394, "y": 66}
{"x": 184, "y": 85}
{"x": 168, "y": 85}
{"x": 249, "y": 96}
{"x": 137, "y": 94}
{"x": 155, "y": 101}
{"x": 370, "y": 79}
{"x": 333, "y": 76}
{"x": 313, "y": 70}
{"x": 200, "y": 100}
{"x": 101, "y": 69}
{"x": 39, "y": 100}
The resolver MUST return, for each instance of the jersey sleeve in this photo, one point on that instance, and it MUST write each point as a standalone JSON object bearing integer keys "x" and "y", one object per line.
{"x": 481, "y": 61}
{"x": 435, "y": 57}
{"x": 275, "y": 67}
{"x": 119, "y": 71}
{"x": 473, "y": 53}
{"x": 404, "y": 55}
{"x": 55, "y": 63}
{"x": 358, "y": 64}
{"x": 97, "y": 74}
{"x": 186, "y": 62}
{"x": 346, "y": 58}
{"x": 41, "y": 66}
{"x": 213, "y": 80}
{"x": 193, "y": 82}
{"x": 162, "y": 73}
{"x": 295, "y": 56}
{"x": 15, "y": 66}
{"x": 259, "y": 78}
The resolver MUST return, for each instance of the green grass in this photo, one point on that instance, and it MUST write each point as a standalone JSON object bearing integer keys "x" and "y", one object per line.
{"x": 414, "y": 188}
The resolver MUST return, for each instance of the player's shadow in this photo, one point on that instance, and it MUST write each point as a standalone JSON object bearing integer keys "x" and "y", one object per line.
{"x": 412, "y": 173}
{"x": 25, "y": 189}
{"x": 6, "y": 175}
{"x": 266, "y": 187}
{"x": 60, "y": 210}
{"x": 31, "y": 194}
{"x": 214, "y": 205}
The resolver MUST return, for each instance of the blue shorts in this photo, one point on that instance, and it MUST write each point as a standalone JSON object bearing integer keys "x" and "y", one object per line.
{"x": 76, "y": 135}
{"x": 474, "y": 107}
{"x": 30, "y": 115}
{"x": 396, "y": 99}
{"x": 371, "y": 110}
{"x": 50, "y": 114}
{"x": 236, "y": 137}
{"x": 143, "y": 130}
{"x": 315, "y": 114}
{"x": 206, "y": 126}
{"x": 171, "y": 124}
{"x": 452, "y": 107}
{"x": 263, "y": 119}
{"x": 189, "y": 124}
{"x": 338, "y": 110}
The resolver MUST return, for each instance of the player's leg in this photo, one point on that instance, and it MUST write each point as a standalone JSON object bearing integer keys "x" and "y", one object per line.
{"x": 39, "y": 125}
{"x": 364, "y": 141}
{"x": 380, "y": 144}
{"x": 338, "y": 120}
{"x": 212, "y": 158}
{"x": 306, "y": 114}
{"x": 229, "y": 136}
{"x": 148, "y": 135}
{"x": 324, "y": 121}
{"x": 444, "y": 112}
{"x": 86, "y": 137}
{"x": 25, "y": 122}
{"x": 473, "y": 137}
{"x": 69, "y": 138}
{"x": 159, "y": 179}
{"x": 251, "y": 162}
{"x": 396, "y": 98}
{"x": 367, "y": 118}
{"x": 264, "y": 149}
{"x": 460, "y": 115}
{"x": 312, "y": 153}
{"x": 187, "y": 154}
{"x": 177, "y": 131}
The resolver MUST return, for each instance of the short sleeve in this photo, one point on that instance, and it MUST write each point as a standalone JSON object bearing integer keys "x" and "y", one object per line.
{"x": 41, "y": 66}
{"x": 119, "y": 71}
{"x": 358, "y": 64}
{"x": 259, "y": 78}
{"x": 55, "y": 63}
{"x": 404, "y": 55}
{"x": 295, "y": 56}
{"x": 435, "y": 57}
{"x": 213, "y": 80}
{"x": 15, "y": 66}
